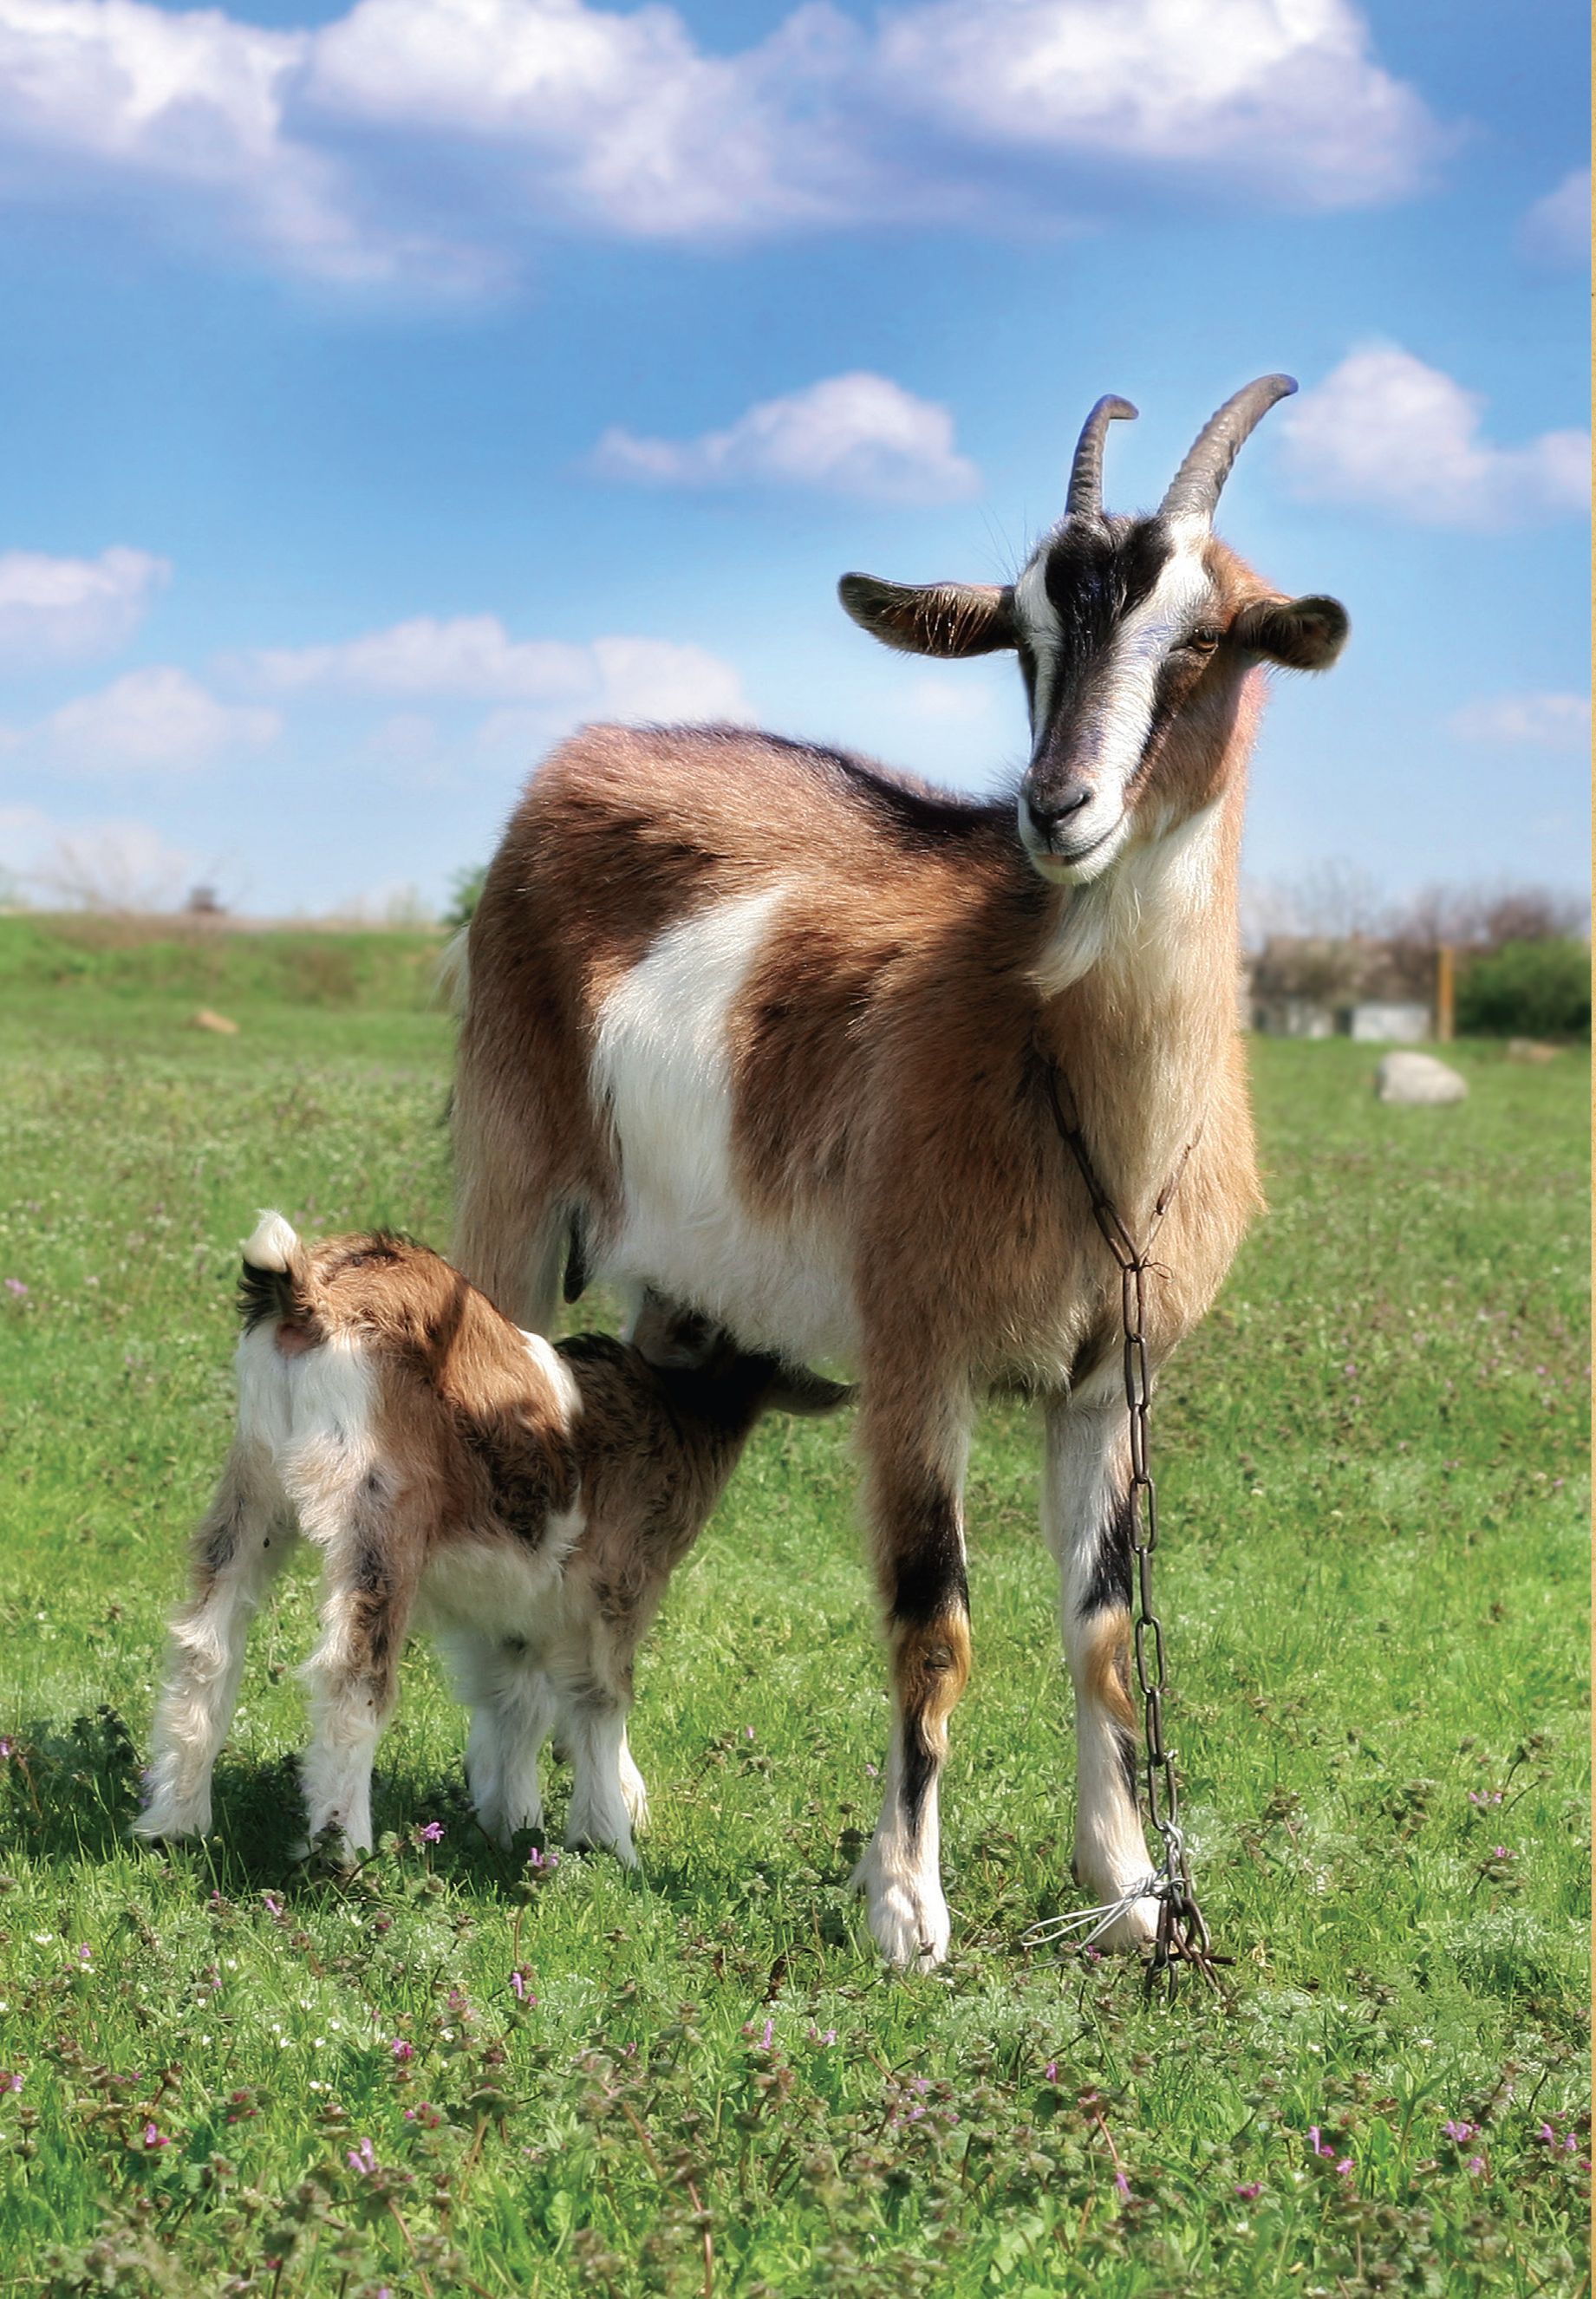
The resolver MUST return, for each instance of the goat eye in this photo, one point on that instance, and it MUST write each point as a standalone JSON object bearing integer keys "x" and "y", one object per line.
{"x": 1203, "y": 640}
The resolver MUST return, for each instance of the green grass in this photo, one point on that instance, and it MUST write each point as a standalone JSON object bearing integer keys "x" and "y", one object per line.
{"x": 1374, "y": 1579}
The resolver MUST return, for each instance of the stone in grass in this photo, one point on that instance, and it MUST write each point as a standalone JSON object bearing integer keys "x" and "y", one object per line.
{"x": 1418, "y": 1078}
{"x": 206, "y": 1020}
{"x": 1530, "y": 1050}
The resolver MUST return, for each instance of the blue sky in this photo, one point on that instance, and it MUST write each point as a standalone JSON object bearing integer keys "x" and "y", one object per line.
{"x": 390, "y": 388}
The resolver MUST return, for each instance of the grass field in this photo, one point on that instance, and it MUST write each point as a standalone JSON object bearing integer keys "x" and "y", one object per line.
{"x": 457, "y": 2073}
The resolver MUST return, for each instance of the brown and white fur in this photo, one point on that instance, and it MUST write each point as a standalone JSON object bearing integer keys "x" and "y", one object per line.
{"x": 525, "y": 1504}
{"x": 765, "y": 1027}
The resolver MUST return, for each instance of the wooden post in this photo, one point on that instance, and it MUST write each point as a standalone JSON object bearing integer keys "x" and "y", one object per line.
{"x": 1446, "y": 994}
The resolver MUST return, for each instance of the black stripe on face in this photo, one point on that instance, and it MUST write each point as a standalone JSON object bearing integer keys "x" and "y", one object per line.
{"x": 1093, "y": 577}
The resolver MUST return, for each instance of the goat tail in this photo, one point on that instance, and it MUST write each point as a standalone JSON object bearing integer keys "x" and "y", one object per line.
{"x": 274, "y": 1278}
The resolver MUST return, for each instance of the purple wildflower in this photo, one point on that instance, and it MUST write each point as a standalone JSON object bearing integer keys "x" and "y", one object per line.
{"x": 765, "y": 2038}
{"x": 362, "y": 2159}
{"x": 432, "y": 1832}
{"x": 10, "y": 2079}
{"x": 274, "y": 1907}
{"x": 519, "y": 1988}
{"x": 1458, "y": 2131}
{"x": 1476, "y": 2166}
{"x": 1122, "y": 2183}
{"x": 1250, "y": 2191}
{"x": 14, "y": 1285}
{"x": 8, "y": 1749}
{"x": 154, "y": 2136}
{"x": 1051, "y": 2071}
{"x": 403, "y": 2050}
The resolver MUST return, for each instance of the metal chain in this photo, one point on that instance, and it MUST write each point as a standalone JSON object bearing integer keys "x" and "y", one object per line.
{"x": 1182, "y": 1933}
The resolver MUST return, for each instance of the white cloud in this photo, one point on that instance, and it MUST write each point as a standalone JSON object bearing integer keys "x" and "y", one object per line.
{"x": 62, "y": 609}
{"x": 613, "y": 117}
{"x": 1535, "y": 721}
{"x": 1281, "y": 96}
{"x": 854, "y": 435}
{"x": 656, "y": 679}
{"x": 470, "y": 657}
{"x": 121, "y": 91}
{"x": 159, "y": 719}
{"x": 408, "y": 738}
{"x": 1386, "y": 430}
{"x": 473, "y": 659}
{"x": 432, "y": 137}
{"x": 1557, "y": 228}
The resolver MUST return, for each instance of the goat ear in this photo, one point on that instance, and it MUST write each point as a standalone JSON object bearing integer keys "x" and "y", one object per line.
{"x": 808, "y": 1394}
{"x": 942, "y": 619}
{"x": 1298, "y": 634}
{"x": 680, "y": 1339}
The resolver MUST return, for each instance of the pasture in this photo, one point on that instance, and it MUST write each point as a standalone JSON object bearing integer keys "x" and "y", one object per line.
{"x": 458, "y": 2072}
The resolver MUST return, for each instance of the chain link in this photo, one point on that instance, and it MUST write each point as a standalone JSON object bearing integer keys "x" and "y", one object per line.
{"x": 1182, "y": 1933}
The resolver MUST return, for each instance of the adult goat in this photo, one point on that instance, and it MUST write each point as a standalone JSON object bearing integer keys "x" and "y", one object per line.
{"x": 768, "y": 1028}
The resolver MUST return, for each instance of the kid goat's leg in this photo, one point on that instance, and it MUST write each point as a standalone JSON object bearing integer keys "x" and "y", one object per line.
{"x": 916, "y": 1464}
{"x": 374, "y": 1552}
{"x": 1086, "y": 1521}
{"x": 512, "y": 1714}
{"x": 243, "y": 1541}
{"x": 592, "y": 1676}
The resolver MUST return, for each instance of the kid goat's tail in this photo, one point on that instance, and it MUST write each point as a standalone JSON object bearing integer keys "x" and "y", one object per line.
{"x": 272, "y": 1282}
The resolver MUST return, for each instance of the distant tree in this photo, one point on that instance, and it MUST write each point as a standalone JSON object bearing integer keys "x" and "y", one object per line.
{"x": 1528, "y": 990}
{"x": 465, "y": 893}
{"x": 1333, "y": 937}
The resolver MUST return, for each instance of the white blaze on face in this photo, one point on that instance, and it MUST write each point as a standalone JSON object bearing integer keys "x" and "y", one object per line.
{"x": 1116, "y": 733}
{"x": 1111, "y": 734}
{"x": 1038, "y": 619}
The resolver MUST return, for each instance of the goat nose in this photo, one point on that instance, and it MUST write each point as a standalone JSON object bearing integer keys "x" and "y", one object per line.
{"x": 1047, "y": 814}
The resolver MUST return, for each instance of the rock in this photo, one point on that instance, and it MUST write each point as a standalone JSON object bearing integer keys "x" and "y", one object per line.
{"x": 1418, "y": 1078}
{"x": 1530, "y": 1050}
{"x": 205, "y": 1020}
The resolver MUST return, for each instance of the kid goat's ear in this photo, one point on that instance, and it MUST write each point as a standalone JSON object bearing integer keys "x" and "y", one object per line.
{"x": 942, "y": 619}
{"x": 1298, "y": 634}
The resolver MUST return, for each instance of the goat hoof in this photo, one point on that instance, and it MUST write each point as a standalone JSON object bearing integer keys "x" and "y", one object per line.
{"x": 157, "y": 1827}
{"x": 908, "y": 1915}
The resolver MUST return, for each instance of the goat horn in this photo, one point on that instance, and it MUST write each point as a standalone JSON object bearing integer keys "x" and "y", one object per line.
{"x": 1194, "y": 490}
{"x": 1086, "y": 474}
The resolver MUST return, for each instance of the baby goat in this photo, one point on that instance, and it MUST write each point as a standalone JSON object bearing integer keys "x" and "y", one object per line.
{"x": 526, "y": 1503}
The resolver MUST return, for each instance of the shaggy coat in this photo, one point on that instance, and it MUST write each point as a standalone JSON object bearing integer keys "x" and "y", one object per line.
{"x": 526, "y": 1504}
{"x": 768, "y": 1028}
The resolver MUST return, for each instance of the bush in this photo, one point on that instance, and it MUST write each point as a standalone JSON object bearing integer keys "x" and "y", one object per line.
{"x": 1528, "y": 988}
